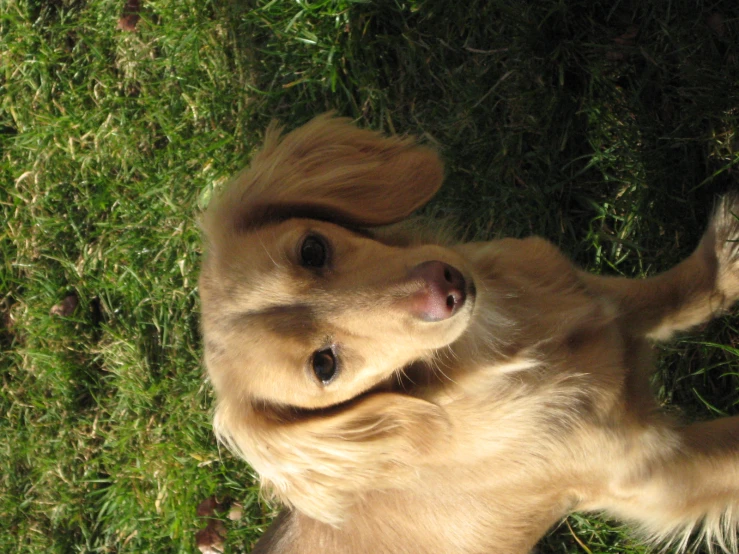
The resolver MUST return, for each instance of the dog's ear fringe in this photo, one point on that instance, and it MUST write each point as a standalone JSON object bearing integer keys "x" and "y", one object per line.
{"x": 321, "y": 465}
{"x": 327, "y": 169}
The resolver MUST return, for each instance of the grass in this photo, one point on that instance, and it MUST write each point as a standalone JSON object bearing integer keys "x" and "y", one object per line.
{"x": 608, "y": 127}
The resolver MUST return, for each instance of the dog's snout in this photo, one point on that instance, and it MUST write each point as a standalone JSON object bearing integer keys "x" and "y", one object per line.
{"x": 443, "y": 292}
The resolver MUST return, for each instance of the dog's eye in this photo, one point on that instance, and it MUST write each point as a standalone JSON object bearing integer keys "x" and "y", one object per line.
{"x": 313, "y": 251}
{"x": 324, "y": 365}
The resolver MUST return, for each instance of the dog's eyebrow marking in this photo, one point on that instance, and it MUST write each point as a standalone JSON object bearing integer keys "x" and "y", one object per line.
{"x": 296, "y": 321}
{"x": 262, "y": 214}
{"x": 265, "y": 213}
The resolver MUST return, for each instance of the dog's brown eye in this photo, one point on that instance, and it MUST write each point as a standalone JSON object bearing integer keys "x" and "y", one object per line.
{"x": 313, "y": 251}
{"x": 324, "y": 365}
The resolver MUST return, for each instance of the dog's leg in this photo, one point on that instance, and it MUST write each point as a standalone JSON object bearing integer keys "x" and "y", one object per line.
{"x": 685, "y": 485}
{"x": 694, "y": 291}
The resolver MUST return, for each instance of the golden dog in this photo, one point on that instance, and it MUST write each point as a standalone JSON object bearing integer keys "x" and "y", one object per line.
{"x": 403, "y": 394}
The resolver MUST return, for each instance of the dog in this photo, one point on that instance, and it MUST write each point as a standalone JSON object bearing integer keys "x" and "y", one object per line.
{"x": 399, "y": 392}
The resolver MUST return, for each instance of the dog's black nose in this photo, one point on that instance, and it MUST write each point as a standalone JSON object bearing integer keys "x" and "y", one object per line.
{"x": 443, "y": 292}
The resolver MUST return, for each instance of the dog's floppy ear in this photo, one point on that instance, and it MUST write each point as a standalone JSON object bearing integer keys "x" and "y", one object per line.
{"x": 322, "y": 463}
{"x": 332, "y": 170}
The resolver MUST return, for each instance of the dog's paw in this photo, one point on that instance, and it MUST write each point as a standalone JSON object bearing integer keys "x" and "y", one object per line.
{"x": 725, "y": 229}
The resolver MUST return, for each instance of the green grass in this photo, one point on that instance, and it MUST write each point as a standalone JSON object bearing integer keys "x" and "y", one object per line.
{"x": 608, "y": 127}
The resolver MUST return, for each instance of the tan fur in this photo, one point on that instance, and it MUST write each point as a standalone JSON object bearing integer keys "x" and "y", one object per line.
{"x": 472, "y": 434}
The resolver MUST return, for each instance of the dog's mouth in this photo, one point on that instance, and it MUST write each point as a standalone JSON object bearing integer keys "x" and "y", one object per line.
{"x": 443, "y": 293}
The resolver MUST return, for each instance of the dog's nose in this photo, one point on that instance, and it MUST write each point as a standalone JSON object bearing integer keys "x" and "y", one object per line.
{"x": 443, "y": 292}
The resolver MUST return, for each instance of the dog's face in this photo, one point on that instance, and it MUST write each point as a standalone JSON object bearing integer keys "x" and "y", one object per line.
{"x": 307, "y": 313}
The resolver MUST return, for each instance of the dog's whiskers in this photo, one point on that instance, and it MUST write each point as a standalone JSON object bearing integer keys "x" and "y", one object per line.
{"x": 266, "y": 251}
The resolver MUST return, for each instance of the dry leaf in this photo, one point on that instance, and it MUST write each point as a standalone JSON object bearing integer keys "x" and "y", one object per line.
{"x": 130, "y": 17}
{"x": 66, "y": 307}
{"x": 716, "y": 22}
{"x": 627, "y": 39}
{"x": 211, "y": 539}
{"x": 209, "y": 507}
{"x": 236, "y": 512}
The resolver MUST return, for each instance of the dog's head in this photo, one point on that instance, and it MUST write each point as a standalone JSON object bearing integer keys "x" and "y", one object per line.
{"x": 307, "y": 315}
